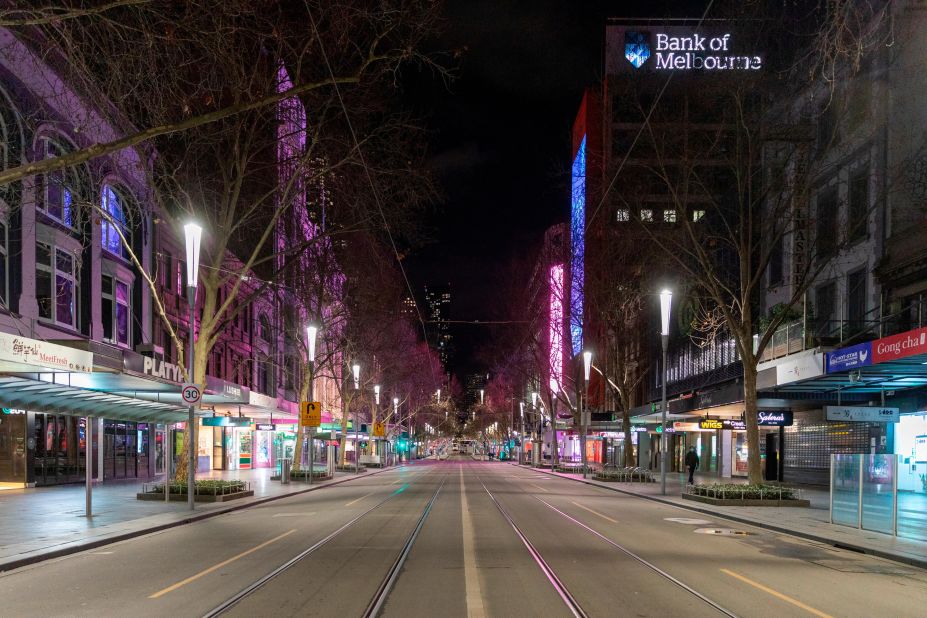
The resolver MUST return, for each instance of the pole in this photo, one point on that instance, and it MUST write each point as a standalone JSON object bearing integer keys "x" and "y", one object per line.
{"x": 582, "y": 429}
{"x": 356, "y": 445}
{"x": 88, "y": 464}
{"x": 309, "y": 429}
{"x": 191, "y": 419}
{"x": 663, "y": 422}
{"x": 168, "y": 460}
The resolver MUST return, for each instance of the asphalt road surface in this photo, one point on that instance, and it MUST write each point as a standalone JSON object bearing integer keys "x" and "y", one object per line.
{"x": 464, "y": 538}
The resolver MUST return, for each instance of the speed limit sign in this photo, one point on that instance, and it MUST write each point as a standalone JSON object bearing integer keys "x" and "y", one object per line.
{"x": 191, "y": 394}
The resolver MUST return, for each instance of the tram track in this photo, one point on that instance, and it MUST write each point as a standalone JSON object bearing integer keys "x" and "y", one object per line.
{"x": 568, "y": 598}
{"x": 383, "y": 590}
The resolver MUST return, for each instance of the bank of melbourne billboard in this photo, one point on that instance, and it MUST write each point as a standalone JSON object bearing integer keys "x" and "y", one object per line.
{"x": 650, "y": 47}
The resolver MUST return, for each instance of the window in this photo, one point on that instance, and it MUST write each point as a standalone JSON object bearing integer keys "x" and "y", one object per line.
{"x": 826, "y": 222}
{"x": 114, "y": 302}
{"x": 697, "y": 214}
{"x": 776, "y": 263}
{"x": 261, "y": 384}
{"x": 56, "y": 285}
{"x": 669, "y": 215}
{"x": 623, "y": 215}
{"x": 858, "y": 205}
{"x": 58, "y": 186}
{"x": 265, "y": 327}
{"x": 4, "y": 267}
{"x": 646, "y": 215}
{"x": 114, "y": 204}
{"x": 856, "y": 299}
{"x": 825, "y": 305}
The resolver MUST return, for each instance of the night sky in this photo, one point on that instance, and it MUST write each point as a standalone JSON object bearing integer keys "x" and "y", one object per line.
{"x": 500, "y": 142}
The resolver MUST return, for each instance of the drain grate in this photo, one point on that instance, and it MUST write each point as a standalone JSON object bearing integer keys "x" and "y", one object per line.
{"x": 721, "y": 531}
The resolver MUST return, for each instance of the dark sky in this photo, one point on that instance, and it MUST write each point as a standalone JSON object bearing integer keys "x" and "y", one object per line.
{"x": 501, "y": 141}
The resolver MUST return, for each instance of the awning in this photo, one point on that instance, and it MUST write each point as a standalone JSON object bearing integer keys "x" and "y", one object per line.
{"x": 891, "y": 375}
{"x": 56, "y": 396}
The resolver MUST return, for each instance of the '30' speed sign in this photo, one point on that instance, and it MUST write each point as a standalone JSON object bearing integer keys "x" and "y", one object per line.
{"x": 191, "y": 394}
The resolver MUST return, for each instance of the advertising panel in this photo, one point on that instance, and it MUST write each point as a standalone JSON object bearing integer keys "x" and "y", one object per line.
{"x": 16, "y": 349}
{"x": 864, "y": 414}
{"x": 655, "y": 47}
{"x": 900, "y": 346}
{"x": 859, "y": 355}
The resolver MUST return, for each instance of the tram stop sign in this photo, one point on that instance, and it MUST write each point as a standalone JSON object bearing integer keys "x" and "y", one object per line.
{"x": 191, "y": 394}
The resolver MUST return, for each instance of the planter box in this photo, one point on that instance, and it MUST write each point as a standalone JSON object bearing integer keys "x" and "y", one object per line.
{"x": 754, "y": 502}
{"x": 159, "y": 495}
{"x": 299, "y": 478}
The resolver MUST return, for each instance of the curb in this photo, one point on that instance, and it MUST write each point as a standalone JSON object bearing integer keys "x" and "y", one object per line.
{"x": 11, "y": 565}
{"x": 900, "y": 558}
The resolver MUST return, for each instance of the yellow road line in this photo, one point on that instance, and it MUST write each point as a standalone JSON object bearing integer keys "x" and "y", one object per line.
{"x": 586, "y": 508}
{"x": 192, "y": 578}
{"x": 538, "y": 486}
{"x": 777, "y": 594}
{"x": 358, "y": 499}
{"x": 474, "y": 595}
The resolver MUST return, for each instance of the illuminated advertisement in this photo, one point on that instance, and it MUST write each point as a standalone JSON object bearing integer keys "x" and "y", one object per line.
{"x": 578, "y": 247}
{"x": 658, "y": 48}
{"x": 555, "y": 335}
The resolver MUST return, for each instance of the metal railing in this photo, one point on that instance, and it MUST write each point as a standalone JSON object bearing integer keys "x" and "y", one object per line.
{"x": 625, "y": 475}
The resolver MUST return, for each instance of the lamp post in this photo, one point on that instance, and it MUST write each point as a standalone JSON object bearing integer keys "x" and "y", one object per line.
{"x": 356, "y": 369}
{"x": 396, "y": 413}
{"x": 311, "y": 333}
{"x": 666, "y": 301}
{"x": 521, "y": 445}
{"x": 583, "y": 412}
{"x": 193, "y": 234}
{"x": 376, "y": 413}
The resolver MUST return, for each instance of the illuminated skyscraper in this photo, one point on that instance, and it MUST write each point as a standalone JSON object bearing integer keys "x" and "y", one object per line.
{"x": 438, "y": 307}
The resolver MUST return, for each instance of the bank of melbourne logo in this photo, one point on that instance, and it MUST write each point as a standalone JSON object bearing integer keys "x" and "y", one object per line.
{"x": 636, "y": 47}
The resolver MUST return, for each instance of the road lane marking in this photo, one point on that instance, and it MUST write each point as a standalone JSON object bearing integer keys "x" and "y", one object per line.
{"x": 586, "y": 508}
{"x": 538, "y": 486}
{"x": 215, "y": 567}
{"x": 474, "y": 596}
{"x": 293, "y": 514}
{"x": 777, "y": 594}
{"x": 359, "y": 499}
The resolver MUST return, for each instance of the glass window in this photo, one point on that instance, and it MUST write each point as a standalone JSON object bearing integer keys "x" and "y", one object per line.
{"x": 646, "y": 215}
{"x": 265, "y": 327}
{"x": 56, "y": 285}
{"x": 697, "y": 214}
{"x": 114, "y": 205}
{"x": 669, "y": 215}
{"x": 623, "y": 215}
{"x": 858, "y": 205}
{"x": 58, "y": 186}
{"x": 114, "y": 304}
{"x": 776, "y": 263}
{"x": 827, "y": 209}
{"x": 856, "y": 299}
{"x": 825, "y": 307}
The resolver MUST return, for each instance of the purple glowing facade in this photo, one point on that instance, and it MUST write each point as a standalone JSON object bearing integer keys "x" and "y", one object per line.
{"x": 578, "y": 247}
{"x": 555, "y": 340}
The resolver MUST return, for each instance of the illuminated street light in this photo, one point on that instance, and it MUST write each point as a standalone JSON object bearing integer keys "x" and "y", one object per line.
{"x": 666, "y": 301}
{"x": 193, "y": 235}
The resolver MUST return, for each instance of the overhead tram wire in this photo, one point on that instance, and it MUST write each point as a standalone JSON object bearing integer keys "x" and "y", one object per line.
{"x": 373, "y": 188}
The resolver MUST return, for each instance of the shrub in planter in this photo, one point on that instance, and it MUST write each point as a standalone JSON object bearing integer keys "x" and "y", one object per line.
{"x": 205, "y": 487}
{"x": 739, "y": 491}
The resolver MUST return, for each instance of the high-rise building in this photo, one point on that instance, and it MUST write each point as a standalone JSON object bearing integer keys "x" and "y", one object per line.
{"x": 438, "y": 306}
{"x": 409, "y": 308}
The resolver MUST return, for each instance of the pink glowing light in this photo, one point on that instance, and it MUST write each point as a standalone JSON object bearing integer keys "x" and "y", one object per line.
{"x": 556, "y": 327}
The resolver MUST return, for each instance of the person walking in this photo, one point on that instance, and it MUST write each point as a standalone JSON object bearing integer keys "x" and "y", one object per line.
{"x": 692, "y": 464}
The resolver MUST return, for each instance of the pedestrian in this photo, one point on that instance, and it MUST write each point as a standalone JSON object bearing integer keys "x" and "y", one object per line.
{"x": 692, "y": 464}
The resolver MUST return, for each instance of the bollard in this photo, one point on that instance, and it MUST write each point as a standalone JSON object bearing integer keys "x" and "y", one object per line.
{"x": 284, "y": 471}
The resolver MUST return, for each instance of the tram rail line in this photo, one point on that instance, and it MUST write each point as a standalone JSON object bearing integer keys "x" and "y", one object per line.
{"x": 610, "y": 542}
{"x": 383, "y": 590}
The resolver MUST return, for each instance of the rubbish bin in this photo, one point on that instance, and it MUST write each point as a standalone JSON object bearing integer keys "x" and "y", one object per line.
{"x": 284, "y": 471}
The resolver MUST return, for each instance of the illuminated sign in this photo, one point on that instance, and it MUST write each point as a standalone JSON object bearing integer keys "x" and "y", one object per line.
{"x": 638, "y": 429}
{"x": 711, "y": 423}
{"x": 556, "y": 327}
{"x": 265, "y": 427}
{"x": 774, "y": 419}
{"x": 577, "y": 246}
{"x": 675, "y": 48}
{"x": 227, "y": 421}
{"x": 863, "y": 414}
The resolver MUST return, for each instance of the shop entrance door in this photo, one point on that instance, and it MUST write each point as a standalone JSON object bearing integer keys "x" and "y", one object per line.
{"x": 13, "y": 448}
{"x": 218, "y": 447}
{"x": 772, "y": 457}
{"x": 59, "y": 449}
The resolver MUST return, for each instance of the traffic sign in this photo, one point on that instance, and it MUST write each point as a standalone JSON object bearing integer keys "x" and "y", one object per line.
{"x": 379, "y": 430}
{"x": 310, "y": 413}
{"x": 191, "y": 394}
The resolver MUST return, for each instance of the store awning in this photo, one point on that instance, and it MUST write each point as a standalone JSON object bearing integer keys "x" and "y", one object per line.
{"x": 891, "y": 375}
{"x": 57, "y": 397}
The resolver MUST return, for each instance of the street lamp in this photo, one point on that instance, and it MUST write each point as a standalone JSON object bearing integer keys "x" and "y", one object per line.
{"x": 311, "y": 334}
{"x": 481, "y": 396}
{"x": 193, "y": 234}
{"x": 356, "y": 370}
{"x": 439, "y": 396}
{"x": 583, "y": 412}
{"x": 666, "y": 301}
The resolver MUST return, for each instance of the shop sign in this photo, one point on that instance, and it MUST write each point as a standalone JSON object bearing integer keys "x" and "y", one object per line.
{"x": 16, "y": 349}
{"x": 900, "y": 346}
{"x": 800, "y": 368}
{"x": 265, "y": 427}
{"x": 685, "y": 426}
{"x": 864, "y": 414}
{"x": 638, "y": 429}
{"x": 711, "y": 423}
{"x": 668, "y": 429}
{"x": 684, "y": 49}
{"x": 154, "y": 367}
{"x": 774, "y": 419}
{"x": 859, "y": 355}
{"x": 226, "y": 421}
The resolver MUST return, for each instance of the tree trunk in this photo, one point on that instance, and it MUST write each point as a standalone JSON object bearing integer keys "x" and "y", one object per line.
{"x": 626, "y": 428}
{"x": 192, "y": 433}
{"x": 300, "y": 430}
{"x": 754, "y": 470}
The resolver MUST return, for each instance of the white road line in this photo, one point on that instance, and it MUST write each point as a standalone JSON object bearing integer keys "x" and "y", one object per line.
{"x": 474, "y": 595}
{"x": 586, "y": 508}
{"x": 358, "y": 499}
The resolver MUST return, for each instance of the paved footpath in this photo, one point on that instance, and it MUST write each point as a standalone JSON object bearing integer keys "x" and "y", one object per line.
{"x": 45, "y": 522}
{"x": 810, "y": 523}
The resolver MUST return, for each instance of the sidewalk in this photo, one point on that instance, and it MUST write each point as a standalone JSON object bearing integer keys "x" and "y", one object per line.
{"x": 47, "y": 522}
{"x": 809, "y": 523}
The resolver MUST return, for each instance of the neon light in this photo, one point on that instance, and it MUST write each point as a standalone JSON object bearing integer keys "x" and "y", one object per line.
{"x": 578, "y": 247}
{"x": 556, "y": 327}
